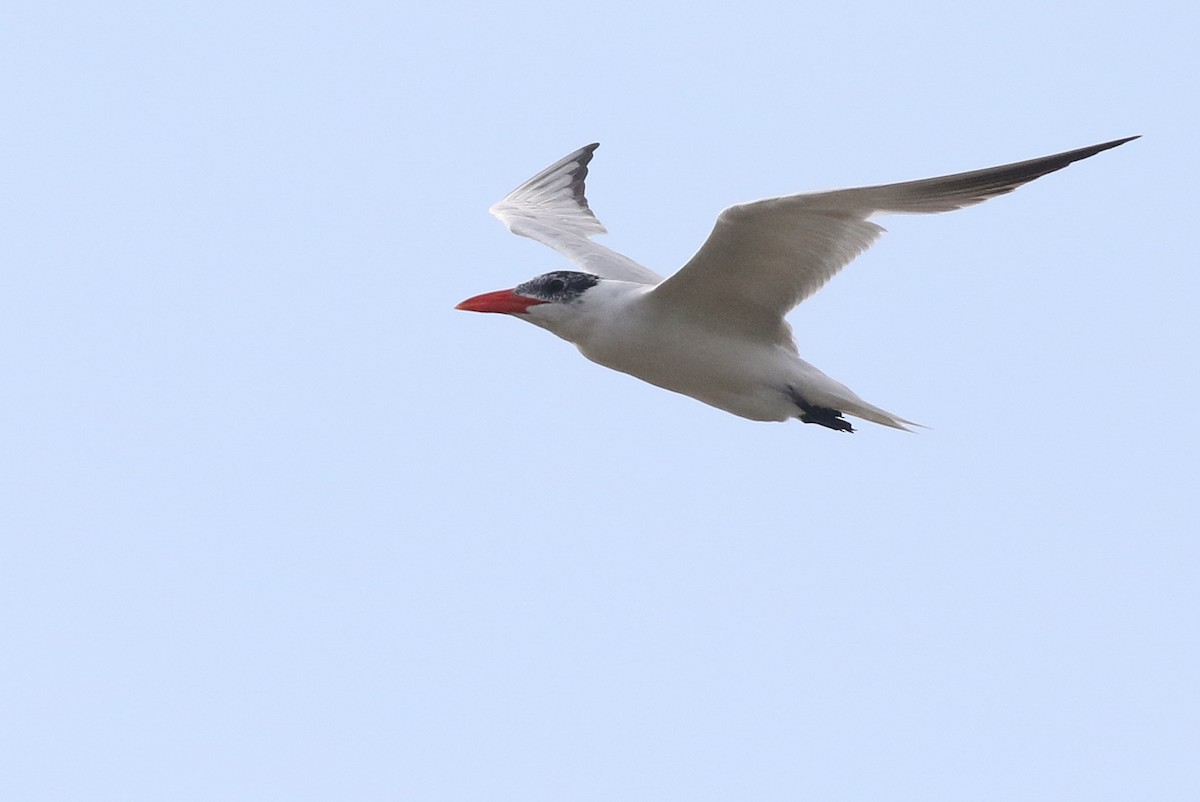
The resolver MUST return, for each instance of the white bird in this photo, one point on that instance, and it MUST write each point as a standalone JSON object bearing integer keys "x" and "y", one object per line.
{"x": 715, "y": 330}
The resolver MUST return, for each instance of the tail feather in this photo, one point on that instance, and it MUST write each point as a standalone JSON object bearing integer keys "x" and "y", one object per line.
{"x": 861, "y": 409}
{"x": 815, "y": 389}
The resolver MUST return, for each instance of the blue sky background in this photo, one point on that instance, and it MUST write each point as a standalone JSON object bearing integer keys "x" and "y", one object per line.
{"x": 278, "y": 523}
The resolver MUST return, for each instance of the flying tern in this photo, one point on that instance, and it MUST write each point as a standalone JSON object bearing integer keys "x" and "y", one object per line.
{"x": 715, "y": 330}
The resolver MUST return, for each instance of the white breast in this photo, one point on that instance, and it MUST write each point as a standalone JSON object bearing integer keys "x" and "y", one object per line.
{"x": 734, "y": 373}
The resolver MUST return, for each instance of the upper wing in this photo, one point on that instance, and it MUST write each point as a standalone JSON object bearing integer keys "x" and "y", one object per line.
{"x": 551, "y": 208}
{"x": 765, "y": 257}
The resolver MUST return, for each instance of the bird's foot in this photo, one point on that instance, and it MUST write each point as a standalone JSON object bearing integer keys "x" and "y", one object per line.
{"x": 822, "y": 416}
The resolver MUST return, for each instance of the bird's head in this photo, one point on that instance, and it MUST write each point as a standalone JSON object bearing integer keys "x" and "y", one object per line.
{"x": 551, "y": 300}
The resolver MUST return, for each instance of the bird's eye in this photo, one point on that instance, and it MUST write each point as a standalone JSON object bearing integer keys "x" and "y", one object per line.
{"x": 555, "y": 285}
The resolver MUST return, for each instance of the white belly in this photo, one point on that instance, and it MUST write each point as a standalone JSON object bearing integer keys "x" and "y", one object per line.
{"x": 745, "y": 378}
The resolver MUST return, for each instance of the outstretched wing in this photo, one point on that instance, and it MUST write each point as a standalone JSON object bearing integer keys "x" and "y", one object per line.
{"x": 551, "y": 208}
{"x": 765, "y": 257}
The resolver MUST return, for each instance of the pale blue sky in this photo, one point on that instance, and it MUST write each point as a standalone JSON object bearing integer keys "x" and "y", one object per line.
{"x": 279, "y": 523}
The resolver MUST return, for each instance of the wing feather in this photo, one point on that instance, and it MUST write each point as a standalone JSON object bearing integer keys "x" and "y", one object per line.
{"x": 552, "y": 209}
{"x": 763, "y": 258}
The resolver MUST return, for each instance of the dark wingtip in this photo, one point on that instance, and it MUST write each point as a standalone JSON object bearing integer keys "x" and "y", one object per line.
{"x": 1116, "y": 142}
{"x": 579, "y": 174}
{"x": 1080, "y": 154}
{"x": 586, "y": 153}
